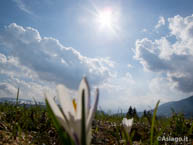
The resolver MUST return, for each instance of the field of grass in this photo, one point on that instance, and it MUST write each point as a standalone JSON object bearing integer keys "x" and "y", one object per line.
{"x": 23, "y": 125}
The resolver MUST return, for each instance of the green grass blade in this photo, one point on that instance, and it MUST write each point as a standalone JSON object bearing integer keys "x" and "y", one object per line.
{"x": 83, "y": 125}
{"x": 190, "y": 130}
{"x": 153, "y": 122}
{"x": 17, "y": 98}
{"x": 117, "y": 135}
{"x": 125, "y": 136}
{"x": 35, "y": 102}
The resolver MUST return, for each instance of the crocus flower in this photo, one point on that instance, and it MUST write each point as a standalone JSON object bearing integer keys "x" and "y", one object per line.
{"x": 127, "y": 124}
{"x": 70, "y": 114}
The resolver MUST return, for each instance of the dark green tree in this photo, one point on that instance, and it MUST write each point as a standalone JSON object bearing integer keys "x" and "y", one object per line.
{"x": 144, "y": 113}
{"x": 135, "y": 113}
{"x": 129, "y": 113}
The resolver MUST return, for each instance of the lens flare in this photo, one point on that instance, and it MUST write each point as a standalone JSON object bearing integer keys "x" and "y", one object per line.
{"x": 105, "y": 18}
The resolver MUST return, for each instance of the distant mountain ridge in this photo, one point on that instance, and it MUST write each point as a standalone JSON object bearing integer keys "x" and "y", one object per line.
{"x": 21, "y": 101}
{"x": 12, "y": 100}
{"x": 184, "y": 106}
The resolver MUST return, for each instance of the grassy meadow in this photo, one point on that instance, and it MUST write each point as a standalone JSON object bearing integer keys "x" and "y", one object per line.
{"x": 29, "y": 125}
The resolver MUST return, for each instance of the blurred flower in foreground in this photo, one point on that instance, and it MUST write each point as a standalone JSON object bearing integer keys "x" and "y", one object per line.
{"x": 127, "y": 124}
{"x": 75, "y": 116}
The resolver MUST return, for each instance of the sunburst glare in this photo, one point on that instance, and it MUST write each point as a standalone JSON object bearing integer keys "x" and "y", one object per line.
{"x": 107, "y": 19}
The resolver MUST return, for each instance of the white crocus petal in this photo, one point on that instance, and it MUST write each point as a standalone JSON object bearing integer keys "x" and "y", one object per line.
{"x": 57, "y": 113}
{"x": 91, "y": 116}
{"x": 83, "y": 86}
{"x": 127, "y": 124}
{"x": 75, "y": 125}
{"x": 69, "y": 111}
{"x": 65, "y": 101}
{"x": 92, "y": 110}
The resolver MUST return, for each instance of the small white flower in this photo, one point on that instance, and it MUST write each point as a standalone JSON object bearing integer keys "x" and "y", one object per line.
{"x": 71, "y": 116}
{"x": 127, "y": 124}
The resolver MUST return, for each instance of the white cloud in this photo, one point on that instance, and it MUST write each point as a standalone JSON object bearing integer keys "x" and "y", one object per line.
{"x": 28, "y": 89}
{"x": 144, "y": 30}
{"x": 182, "y": 29}
{"x": 50, "y": 60}
{"x": 11, "y": 67}
{"x": 123, "y": 91}
{"x": 173, "y": 60}
{"x": 21, "y": 5}
{"x": 161, "y": 22}
{"x": 7, "y": 90}
{"x": 3, "y": 58}
{"x": 164, "y": 90}
{"x": 130, "y": 65}
{"x": 115, "y": 91}
{"x": 13, "y": 75}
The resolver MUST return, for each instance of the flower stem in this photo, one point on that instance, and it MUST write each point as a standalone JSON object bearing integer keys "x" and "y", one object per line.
{"x": 83, "y": 129}
{"x": 153, "y": 122}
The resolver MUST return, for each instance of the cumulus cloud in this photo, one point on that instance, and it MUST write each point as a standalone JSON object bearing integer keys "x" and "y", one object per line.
{"x": 3, "y": 58}
{"x": 123, "y": 91}
{"x": 116, "y": 91}
{"x": 161, "y": 22}
{"x": 163, "y": 89}
{"x": 11, "y": 67}
{"x": 7, "y": 90}
{"x": 28, "y": 89}
{"x": 50, "y": 60}
{"x": 14, "y": 75}
{"x": 172, "y": 59}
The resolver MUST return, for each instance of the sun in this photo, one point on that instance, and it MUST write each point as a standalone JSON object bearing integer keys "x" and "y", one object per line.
{"x": 105, "y": 18}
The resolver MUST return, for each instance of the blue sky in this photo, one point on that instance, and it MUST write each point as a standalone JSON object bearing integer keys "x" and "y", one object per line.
{"x": 135, "y": 51}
